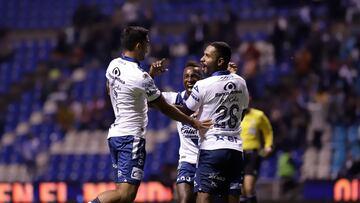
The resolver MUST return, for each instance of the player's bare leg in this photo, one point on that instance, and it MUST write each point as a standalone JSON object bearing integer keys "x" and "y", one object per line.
{"x": 203, "y": 197}
{"x": 249, "y": 188}
{"x": 124, "y": 193}
{"x": 185, "y": 193}
{"x": 233, "y": 199}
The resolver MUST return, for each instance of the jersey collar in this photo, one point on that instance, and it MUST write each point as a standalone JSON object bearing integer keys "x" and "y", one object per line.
{"x": 220, "y": 72}
{"x": 185, "y": 96}
{"x": 126, "y": 58}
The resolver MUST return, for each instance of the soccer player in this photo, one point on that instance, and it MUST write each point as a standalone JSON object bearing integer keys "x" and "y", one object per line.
{"x": 130, "y": 89}
{"x": 223, "y": 97}
{"x": 254, "y": 125}
{"x": 189, "y": 137}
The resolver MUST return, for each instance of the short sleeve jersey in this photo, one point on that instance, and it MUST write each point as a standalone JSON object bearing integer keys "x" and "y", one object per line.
{"x": 188, "y": 135}
{"x": 221, "y": 97}
{"x": 130, "y": 88}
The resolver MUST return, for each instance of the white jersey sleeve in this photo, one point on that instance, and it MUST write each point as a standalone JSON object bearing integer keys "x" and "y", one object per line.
{"x": 244, "y": 102}
{"x": 148, "y": 85}
{"x": 170, "y": 97}
{"x": 195, "y": 100}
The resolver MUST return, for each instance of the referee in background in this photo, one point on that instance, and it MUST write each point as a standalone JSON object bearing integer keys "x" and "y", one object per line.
{"x": 254, "y": 125}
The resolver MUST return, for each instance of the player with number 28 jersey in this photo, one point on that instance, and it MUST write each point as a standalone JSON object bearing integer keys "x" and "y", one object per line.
{"x": 226, "y": 97}
{"x": 223, "y": 97}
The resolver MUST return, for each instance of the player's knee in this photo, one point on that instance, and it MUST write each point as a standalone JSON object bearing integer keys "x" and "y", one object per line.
{"x": 185, "y": 197}
{"x": 125, "y": 195}
{"x": 129, "y": 198}
{"x": 249, "y": 190}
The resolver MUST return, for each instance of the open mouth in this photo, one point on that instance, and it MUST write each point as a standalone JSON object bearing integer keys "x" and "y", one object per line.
{"x": 204, "y": 68}
{"x": 190, "y": 86}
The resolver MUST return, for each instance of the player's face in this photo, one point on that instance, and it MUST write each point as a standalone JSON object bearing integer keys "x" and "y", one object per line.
{"x": 209, "y": 60}
{"x": 190, "y": 77}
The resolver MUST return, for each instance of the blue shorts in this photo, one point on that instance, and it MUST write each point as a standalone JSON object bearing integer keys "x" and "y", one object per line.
{"x": 219, "y": 172}
{"x": 186, "y": 173}
{"x": 128, "y": 158}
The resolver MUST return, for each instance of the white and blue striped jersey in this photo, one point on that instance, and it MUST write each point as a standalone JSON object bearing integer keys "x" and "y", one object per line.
{"x": 188, "y": 150}
{"x": 130, "y": 89}
{"x": 221, "y": 97}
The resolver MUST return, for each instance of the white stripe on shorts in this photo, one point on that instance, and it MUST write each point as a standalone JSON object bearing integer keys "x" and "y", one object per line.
{"x": 135, "y": 148}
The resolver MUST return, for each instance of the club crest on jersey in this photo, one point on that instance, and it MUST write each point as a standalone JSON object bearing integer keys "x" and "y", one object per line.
{"x": 230, "y": 86}
{"x": 116, "y": 72}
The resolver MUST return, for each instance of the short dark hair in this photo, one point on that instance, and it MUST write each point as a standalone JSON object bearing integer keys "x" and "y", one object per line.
{"x": 192, "y": 64}
{"x": 223, "y": 50}
{"x": 133, "y": 35}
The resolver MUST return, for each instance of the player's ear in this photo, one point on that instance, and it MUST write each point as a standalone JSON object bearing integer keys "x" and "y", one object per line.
{"x": 138, "y": 46}
{"x": 220, "y": 61}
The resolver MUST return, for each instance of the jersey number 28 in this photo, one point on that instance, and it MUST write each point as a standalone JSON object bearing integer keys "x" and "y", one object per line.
{"x": 224, "y": 111}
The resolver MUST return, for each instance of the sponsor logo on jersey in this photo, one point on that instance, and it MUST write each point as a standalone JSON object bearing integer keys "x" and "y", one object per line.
{"x": 114, "y": 80}
{"x": 116, "y": 91}
{"x": 228, "y": 93}
{"x": 187, "y": 130}
{"x": 230, "y": 86}
{"x": 116, "y": 72}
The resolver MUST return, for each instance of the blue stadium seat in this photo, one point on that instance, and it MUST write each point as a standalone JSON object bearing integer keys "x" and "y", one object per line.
{"x": 353, "y": 134}
{"x": 339, "y": 157}
{"x": 172, "y": 145}
{"x": 355, "y": 151}
{"x": 6, "y": 152}
{"x": 268, "y": 167}
{"x": 339, "y": 135}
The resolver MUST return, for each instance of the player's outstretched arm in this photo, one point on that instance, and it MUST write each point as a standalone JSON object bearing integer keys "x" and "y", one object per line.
{"x": 175, "y": 114}
{"x": 185, "y": 110}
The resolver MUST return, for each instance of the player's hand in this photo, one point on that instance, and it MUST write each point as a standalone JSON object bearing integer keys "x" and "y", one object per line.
{"x": 157, "y": 68}
{"x": 266, "y": 152}
{"x": 203, "y": 126}
{"x": 232, "y": 67}
{"x": 195, "y": 114}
